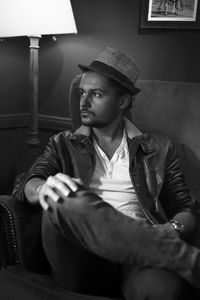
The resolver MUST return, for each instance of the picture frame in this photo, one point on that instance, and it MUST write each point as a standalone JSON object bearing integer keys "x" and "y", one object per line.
{"x": 170, "y": 14}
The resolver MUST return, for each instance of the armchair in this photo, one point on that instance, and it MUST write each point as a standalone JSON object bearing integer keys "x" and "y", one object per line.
{"x": 25, "y": 272}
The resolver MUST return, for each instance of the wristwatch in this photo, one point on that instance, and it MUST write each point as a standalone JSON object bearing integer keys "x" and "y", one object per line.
{"x": 177, "y": 226}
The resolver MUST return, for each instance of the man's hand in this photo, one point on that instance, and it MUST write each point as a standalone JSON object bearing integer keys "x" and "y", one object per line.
{"x": 58, "y": 186}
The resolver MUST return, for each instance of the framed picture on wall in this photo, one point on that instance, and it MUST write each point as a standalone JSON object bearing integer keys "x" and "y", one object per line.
{"x": 170, "y": 14}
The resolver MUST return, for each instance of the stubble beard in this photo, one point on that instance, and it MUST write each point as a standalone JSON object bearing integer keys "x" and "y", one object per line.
{"x": 92, "y": 123}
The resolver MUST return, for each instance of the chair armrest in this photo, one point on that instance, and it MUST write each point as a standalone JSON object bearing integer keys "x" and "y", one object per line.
{"x": 21, "y": 234}
{"x": 8, "y": 231}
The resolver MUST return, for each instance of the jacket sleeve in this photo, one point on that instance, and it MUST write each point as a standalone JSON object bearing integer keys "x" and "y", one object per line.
{"x": 175, "y": 196}
{"x": 48, "y": 163}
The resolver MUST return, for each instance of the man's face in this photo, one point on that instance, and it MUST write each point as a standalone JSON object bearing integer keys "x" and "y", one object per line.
{"x": 99, "y": 104}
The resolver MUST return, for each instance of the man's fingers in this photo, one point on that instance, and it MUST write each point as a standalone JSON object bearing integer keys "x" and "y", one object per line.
{"x": 78, "y": 180}
{"x": 55, "y": 187}
{"x": 67, "y": 180}
{"x": 41, "y": 197}
{"x": 44, "y": 192}
{"x": 55, "y": 183}
{"x": 49, "y": 191}
{"x": 43, "y": 203}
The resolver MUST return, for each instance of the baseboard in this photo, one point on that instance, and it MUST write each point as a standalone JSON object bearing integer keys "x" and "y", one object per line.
{"x": 13, "y": 121}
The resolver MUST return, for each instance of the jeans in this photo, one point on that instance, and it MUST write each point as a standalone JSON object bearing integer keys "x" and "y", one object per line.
{"x": 83, "y": 237}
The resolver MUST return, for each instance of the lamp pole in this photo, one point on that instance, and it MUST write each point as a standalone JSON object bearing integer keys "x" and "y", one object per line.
{"x": 33, "y": 139}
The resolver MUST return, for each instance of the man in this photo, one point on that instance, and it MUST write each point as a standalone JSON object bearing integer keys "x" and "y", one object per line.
{"x": 115, "y": 200}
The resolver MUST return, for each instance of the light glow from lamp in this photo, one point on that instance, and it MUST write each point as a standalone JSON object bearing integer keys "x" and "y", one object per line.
{"x": 36, "y": 17}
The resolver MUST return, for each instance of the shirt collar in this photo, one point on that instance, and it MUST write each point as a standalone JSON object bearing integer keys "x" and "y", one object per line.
{"x": 131, "y": 130}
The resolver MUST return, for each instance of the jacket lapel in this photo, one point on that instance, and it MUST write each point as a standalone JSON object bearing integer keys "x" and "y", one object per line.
{"x": 144, "y": 178}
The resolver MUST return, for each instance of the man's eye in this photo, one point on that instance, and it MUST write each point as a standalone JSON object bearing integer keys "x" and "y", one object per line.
{"x": 82, "y": 93}
{"x": 97, "y": 95}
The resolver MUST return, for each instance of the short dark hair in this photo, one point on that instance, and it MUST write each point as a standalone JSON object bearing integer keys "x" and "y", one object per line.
{"x": 120, "y": 90}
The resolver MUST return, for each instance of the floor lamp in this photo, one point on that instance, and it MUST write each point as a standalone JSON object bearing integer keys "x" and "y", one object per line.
{"x": 34, "y": 18}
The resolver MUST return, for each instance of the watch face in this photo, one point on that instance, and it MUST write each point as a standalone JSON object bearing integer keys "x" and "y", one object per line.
{"x": 177, "y": 226}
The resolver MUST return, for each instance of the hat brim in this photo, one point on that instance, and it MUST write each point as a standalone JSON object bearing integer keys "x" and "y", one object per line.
{"x": 107, "y": 71}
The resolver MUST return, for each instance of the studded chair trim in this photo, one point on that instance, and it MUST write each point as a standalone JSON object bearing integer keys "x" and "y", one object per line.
{"x": 8, "y": 237}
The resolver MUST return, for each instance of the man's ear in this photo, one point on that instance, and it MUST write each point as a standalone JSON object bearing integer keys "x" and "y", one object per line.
{"x": 125, "y": 101}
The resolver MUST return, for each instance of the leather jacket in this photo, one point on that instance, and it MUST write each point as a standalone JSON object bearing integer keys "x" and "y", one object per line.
{"x": 154, "y": 169}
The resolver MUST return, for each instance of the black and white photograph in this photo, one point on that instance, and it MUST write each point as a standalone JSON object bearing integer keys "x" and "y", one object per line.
{"x": 172, "y": 10}
{"x": 99, "y": 150}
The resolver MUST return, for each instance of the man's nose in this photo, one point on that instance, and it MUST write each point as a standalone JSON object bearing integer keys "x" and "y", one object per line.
{"x": 85, "y": 100}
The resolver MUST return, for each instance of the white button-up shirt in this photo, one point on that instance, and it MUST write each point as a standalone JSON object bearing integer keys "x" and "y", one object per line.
{"x": 111, "y": 180}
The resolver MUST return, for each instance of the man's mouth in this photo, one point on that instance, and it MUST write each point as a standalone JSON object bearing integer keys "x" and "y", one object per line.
{"x": 85, "y": 112}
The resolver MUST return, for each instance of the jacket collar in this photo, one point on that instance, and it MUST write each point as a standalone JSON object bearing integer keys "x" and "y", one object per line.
{"x": 132, "y": 133}
{"x": 131, "y": 130}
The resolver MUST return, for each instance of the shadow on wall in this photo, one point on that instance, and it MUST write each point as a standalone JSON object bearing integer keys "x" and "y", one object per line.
{"x": 51, "y": 61}
{"x": 58, "y": 66}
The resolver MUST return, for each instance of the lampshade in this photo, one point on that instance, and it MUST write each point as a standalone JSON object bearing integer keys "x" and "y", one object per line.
{"x": 36, "y": 17}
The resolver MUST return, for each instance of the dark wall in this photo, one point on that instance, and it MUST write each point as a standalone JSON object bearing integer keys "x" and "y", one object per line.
{"x": 163, "y": 55}
{"x": 16, "y": 156}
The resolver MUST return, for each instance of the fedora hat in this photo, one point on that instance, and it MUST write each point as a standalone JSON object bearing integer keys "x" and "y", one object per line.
{"x": 114, "y": 64}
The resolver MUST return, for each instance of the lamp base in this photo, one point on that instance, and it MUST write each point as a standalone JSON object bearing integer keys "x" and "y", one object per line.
{"x": 32, "y": 139}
